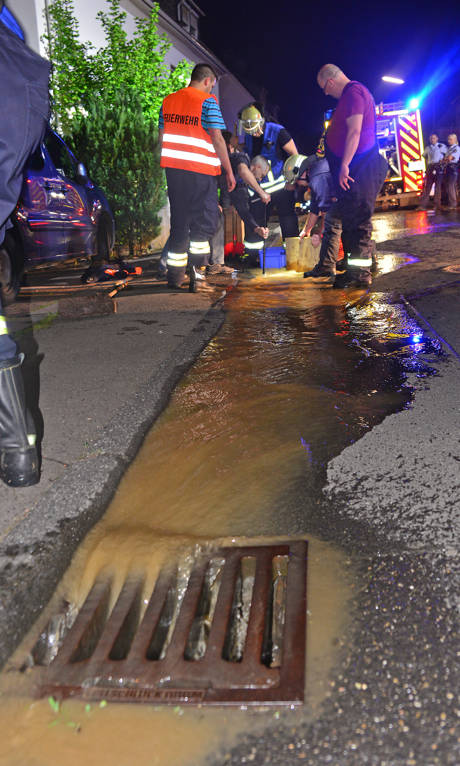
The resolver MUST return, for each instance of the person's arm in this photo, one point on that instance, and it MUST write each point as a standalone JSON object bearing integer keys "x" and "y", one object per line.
{"x": 309, "y": 223}
{"x": 249, "y": 178}
{"x": 160, "y": 138}
{"x": 222, "y": 153}
{"x": 354, "y": 124}
{"x": 290, "y": 147}
{"x": 243, "y": 208}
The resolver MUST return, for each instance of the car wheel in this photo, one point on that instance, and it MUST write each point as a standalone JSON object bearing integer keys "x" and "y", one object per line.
{"x": 11, "y": 266}
{"x": 102, "y": 254}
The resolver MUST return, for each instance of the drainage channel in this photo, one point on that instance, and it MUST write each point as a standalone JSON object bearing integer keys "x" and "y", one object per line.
{"x": 236, "y": 635}
{"x": 241, "y": 452}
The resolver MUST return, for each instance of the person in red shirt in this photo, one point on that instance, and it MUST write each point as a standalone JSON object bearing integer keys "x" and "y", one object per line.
{"x": 358, "y": 170}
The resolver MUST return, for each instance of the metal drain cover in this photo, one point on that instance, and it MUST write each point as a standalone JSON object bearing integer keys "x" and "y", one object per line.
{"x": 235, "y": 636}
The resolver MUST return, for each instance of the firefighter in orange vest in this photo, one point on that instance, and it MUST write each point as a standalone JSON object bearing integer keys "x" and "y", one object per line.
{"x": 192, "y": 152}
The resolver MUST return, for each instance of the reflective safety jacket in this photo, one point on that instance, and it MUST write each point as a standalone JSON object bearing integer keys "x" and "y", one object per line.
{"x": 270, "y": 141}
{"x": 186, "y": 144}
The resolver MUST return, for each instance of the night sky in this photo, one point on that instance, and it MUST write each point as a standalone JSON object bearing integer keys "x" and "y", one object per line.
{"x": 282, "y": 52}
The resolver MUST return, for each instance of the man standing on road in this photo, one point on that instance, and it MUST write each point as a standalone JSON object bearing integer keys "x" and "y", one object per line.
{"x": 434, "y": 153}
{"x": 451, "y": 161}
{"x": 25, "y": 106}
{"x": 358, "y": 170}
{"x": 192, "y": 152}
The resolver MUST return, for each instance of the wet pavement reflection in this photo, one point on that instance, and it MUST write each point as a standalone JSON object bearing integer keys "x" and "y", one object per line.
{"x": 294, "y": 376}
{"x": 407, "y": 223}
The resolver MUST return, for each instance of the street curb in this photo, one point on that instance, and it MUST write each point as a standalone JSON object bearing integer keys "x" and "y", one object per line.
{"x": 34, "y": 556}
{"x": 412, "y": 310}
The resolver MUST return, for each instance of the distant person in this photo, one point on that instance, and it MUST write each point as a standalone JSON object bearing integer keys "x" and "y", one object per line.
{"x": 434, "y": 154}
{"x": 25, "y": 109}
{"x": 217, "y": 258}
{"x": 451, "y": 161}
{"x": 358, "y": 169}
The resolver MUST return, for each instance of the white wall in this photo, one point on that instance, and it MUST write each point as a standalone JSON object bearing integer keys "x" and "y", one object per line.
{"x": 26, "y": 13}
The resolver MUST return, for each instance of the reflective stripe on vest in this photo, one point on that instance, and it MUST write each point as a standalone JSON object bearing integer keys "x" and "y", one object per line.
{"x": 180, "y": 154}
{"x": 3, "y": 327}
{"x": 273, "y": 186}
{"x": 178, "y": 260}
{"x": 186, "y": 144}
{"x": 254, "y": 245}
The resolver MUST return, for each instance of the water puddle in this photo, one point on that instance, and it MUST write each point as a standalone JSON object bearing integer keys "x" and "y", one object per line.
{"x": 241, "y": 452}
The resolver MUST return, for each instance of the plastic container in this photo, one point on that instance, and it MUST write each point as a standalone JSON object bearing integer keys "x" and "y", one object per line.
{"x": 308, "y": 254}
{"x": 275, "y": 258}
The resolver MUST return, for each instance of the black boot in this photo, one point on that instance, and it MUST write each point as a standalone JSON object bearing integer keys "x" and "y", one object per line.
{"x": 360, "y": 278}
{"x": 192, "y": 288}
{"x": 18, "y": 453}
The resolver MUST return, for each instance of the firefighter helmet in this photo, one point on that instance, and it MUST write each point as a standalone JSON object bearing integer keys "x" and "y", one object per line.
{"x": 294, "y": 166}
{"x": 252, "y": 120}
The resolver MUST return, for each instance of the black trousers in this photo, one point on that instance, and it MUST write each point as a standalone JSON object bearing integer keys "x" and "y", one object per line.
{"x": 284, "y": 202}
{"x": 25, "y": 111}
{"x": 434, "y": 175}
{"x": 450, "y": 176}
{"x": 194, "y": 219}
{"x": 330, "y": 243}
{"x": 355, "y": 207}
{"x": 241, "y": 201}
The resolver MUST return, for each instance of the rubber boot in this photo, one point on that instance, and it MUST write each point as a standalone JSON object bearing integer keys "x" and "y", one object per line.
{"x": 292, "y": 253}
{"x": 192, "y": 287}
{"x": 18, "y": 453}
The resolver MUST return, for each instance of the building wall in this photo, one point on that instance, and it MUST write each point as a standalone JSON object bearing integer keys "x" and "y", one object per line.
{"x": 31, "y": 14}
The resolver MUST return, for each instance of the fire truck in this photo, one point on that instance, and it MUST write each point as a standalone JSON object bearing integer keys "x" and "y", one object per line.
{"x": 399, "y": 135}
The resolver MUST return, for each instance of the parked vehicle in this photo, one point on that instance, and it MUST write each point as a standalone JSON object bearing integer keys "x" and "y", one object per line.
{"x": 400, "y": 139}
{"x": 60, "y": 215}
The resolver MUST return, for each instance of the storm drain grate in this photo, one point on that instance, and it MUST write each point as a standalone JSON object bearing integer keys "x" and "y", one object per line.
{"x": 232, "y": 632}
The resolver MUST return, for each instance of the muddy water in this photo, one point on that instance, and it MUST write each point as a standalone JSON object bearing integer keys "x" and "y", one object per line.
{"x": 240, "y": 452}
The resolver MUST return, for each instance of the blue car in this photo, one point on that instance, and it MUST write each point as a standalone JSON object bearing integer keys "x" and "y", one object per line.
{"x": 60, "y": 215}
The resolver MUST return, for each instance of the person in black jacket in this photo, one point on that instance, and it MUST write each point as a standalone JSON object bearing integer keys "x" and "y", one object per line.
{"x": 25, "y": 110}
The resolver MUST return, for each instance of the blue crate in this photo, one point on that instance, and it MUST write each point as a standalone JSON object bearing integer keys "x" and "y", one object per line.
{"x": 275, "y": 258}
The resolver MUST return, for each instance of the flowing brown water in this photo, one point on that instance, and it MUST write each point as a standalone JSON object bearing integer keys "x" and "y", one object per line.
{"x": 240, "y": 452}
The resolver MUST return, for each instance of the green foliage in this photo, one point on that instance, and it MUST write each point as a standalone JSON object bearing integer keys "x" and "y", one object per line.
{"x": 106, "y": 103}
{"x": 70, "y": 81}
{"x": 121, "y": 151}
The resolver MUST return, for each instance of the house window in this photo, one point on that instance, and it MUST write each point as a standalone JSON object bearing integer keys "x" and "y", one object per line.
{"x": 188, "y": 18}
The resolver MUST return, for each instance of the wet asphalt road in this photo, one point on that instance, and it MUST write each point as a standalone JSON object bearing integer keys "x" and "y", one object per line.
{"x": 393, "y": 694}
{"x": 392, "y": 502}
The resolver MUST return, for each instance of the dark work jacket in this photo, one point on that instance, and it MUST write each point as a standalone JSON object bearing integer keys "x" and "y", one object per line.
{"x": 25, "y": 112}
{"x": 321, "y": 186}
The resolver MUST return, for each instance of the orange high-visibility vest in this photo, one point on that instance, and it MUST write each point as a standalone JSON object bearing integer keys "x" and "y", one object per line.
{"x": 186, "y": 144}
